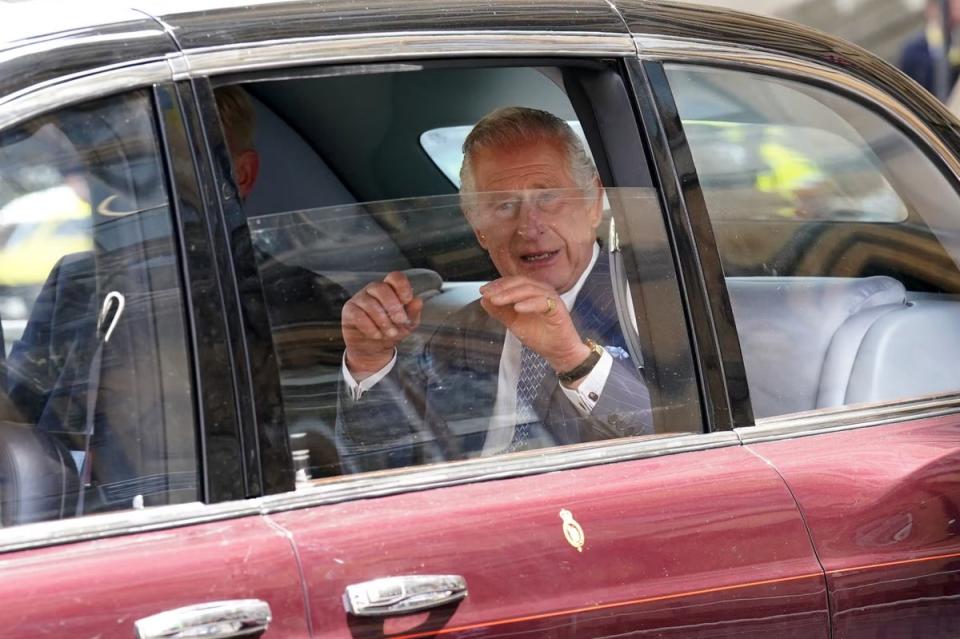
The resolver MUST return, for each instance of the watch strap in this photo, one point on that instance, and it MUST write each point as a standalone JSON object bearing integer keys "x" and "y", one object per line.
{"x": 583, "y": 368}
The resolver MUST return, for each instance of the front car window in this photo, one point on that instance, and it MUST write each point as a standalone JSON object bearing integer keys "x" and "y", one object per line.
{"x": 97, "y": 407}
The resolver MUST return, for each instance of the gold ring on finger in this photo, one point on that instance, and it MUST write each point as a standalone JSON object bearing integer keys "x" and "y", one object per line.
{"x": 551, "y": 306}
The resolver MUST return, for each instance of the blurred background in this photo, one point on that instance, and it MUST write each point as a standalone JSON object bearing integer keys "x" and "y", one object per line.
{"x": 881, "y": 26}
{"x": 907, "y": 33}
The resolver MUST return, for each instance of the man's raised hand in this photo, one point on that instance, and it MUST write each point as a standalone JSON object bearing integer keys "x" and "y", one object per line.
{"x": 534, "y": 312}
{"x": 375, "y": 320}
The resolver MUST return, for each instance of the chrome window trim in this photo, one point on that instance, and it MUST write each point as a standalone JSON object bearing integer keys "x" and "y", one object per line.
{"x": 349, "y": 488}
{"x": 667, "y": 50}
{"x": 847, "y": 418}
{"x": 23, "y": 105}
{"x": 401, "y": 45}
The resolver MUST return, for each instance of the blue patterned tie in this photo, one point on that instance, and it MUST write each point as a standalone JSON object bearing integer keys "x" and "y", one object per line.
{"x": 533, "y": 369}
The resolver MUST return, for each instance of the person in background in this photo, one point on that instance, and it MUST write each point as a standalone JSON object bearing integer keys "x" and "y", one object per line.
{"x": 921, "y": 54}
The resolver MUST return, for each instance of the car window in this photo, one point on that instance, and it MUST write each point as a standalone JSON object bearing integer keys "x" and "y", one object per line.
{"x": 456, "y": 384}
{"x": 95, "y": 408}
{"x": 839, "y": 240}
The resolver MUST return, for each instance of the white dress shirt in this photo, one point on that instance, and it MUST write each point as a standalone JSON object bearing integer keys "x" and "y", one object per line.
{"x": 500, "y": 431}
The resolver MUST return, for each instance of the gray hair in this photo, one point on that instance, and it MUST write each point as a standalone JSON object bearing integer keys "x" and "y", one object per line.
{"x": 518, "y": 125}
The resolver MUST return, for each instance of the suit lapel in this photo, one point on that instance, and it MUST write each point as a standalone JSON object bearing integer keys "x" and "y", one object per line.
{"x": 594, "y": 313}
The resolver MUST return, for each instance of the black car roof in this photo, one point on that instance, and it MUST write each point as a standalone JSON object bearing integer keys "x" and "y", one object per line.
{"x": 43, "y": 41}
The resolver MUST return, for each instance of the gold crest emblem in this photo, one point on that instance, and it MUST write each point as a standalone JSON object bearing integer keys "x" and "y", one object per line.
{"x": 572, "y": 530}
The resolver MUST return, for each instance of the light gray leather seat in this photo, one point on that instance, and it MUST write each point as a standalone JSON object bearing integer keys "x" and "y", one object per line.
{"x": 801, "y": 336}
{"x": 911, "y": 352}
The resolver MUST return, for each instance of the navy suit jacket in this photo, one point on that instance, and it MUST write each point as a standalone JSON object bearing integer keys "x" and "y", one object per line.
{"x": 437, "y": 406}
{"x": 916, "y": 62}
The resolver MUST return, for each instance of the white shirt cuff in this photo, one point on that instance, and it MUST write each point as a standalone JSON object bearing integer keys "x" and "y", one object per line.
{"x": 587, "y": 394}
{"x": 357, "y": 389}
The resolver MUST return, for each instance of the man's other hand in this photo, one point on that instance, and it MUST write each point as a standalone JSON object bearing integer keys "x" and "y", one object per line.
{"x": 375, "y": 320}
{"x": 534, "y": 312}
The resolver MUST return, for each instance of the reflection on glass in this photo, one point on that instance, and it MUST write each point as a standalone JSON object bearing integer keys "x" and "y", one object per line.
{"x": 96, "y": 407}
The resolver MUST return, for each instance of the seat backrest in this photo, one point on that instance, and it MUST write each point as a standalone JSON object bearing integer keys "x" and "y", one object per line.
{"x": 38, "y": 478}
{"x": 911, "y": 352}
{"x": 293, "y": 177}
{"x": 787, "y": 325}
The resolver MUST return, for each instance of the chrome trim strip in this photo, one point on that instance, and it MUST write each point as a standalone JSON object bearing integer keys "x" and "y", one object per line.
{"x": 341, "y": 489}
{"x": 519, "y": 465}
{"x": 179, "y": 65}
{"x": 418, "y": 44}
{"x": 98, "y": 82}
{"x": 849, "y": 418}
{"x": 676, "y": 50}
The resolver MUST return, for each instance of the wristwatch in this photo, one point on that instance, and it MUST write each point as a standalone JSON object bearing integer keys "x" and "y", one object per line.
{"x": 583, "y": 368}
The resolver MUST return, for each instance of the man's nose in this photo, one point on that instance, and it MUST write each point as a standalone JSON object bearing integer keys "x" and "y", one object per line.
{"x": 530, "y": 221}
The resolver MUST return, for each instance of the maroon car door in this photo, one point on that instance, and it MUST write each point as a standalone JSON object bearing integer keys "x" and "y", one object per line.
{"x": 882, "y": 506}
{"x": 677, "y": 532}
{"x": 689, "y": 544}
{"x": 199, "y": 577}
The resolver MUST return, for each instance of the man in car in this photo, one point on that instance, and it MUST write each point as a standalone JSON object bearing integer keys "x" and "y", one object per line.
{"x": 530, "y": 364}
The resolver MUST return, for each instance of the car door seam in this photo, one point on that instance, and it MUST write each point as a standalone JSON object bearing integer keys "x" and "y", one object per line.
{"x": 288, "y": 535}
{"x": 806, "y": 526}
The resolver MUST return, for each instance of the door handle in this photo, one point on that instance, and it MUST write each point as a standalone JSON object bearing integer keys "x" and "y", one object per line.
{"x": 400, "y": 595}
{"x": 214, "y": 620}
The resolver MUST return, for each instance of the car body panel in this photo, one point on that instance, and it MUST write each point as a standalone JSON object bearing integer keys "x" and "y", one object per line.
{"x": 707, "y": 537}
{"x": 883, "y": 508}
{"x": 100, "y": 588}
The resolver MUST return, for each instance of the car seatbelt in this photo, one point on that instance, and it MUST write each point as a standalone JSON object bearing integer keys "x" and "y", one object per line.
{"x": 110, "y": 312}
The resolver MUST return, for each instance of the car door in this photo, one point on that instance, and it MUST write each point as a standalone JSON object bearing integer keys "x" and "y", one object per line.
{"x": 836, "y": 224}
{"x": 681, "y": 532}
{"x": 119, "y": 424}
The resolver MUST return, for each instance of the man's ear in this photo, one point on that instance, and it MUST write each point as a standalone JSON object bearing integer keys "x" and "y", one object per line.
{"x": 246, "y": 167}
{"x": 481, "y": 238}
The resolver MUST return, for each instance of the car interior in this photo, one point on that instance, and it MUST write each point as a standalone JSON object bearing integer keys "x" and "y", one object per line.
{"x": 97, "y": 408}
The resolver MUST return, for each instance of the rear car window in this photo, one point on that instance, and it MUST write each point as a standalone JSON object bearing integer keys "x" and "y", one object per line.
{"x": 838, "y": 237}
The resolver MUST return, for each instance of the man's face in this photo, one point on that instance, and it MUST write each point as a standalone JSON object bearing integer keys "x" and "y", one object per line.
{"x": 529, "y": 214}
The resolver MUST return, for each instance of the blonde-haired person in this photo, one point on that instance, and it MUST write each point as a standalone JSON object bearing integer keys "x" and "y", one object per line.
{"x": 239, "y": 121}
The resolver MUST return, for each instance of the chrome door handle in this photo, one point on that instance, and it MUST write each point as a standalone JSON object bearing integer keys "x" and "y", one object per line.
{"x": 400, "y": 595}
{"x": 214, "y": 620}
